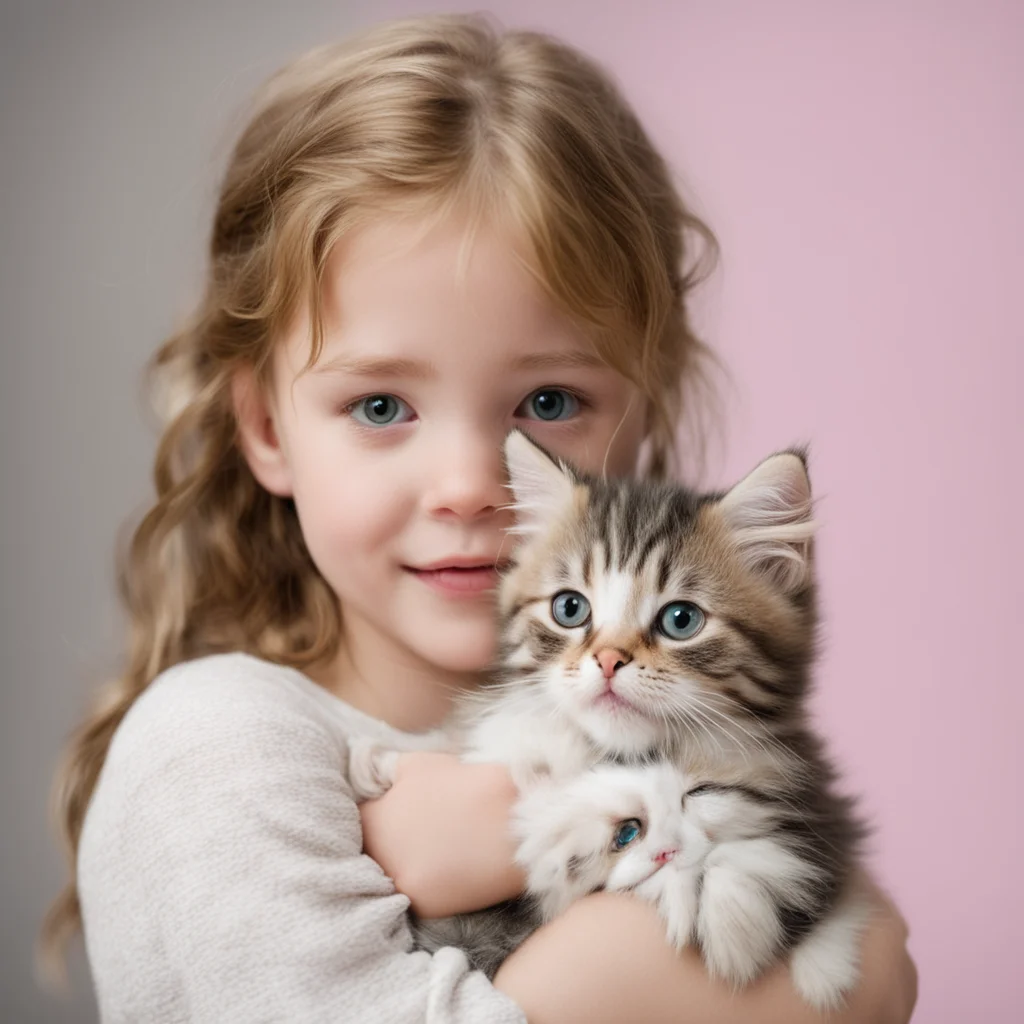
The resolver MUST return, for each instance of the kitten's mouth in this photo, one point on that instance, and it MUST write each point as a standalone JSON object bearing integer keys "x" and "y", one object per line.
{"x": 652, "y": 870}
{"x": 680, "y": 862}
{"x": 611, "y": 701}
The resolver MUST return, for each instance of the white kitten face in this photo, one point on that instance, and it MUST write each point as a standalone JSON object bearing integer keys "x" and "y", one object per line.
{"x": 611, "y": 827}
{"x": 655, "y": 818}
{"x": 663, "y": 837}
{"x": 646, "y": 829}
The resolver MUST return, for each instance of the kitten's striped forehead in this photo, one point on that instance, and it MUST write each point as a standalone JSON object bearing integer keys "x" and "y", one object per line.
{"x": 630, "y": 531}
{"x": 627, "y": 551}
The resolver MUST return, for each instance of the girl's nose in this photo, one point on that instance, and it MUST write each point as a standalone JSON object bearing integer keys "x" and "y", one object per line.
{"x": 467, "y": 478}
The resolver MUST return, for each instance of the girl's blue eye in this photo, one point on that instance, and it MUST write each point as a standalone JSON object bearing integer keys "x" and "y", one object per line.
{"x": 627, "y": 831}
{"x": 570, "y": 609}
{"x": 379, "y": 410}
{"x": 680, "y": 620}
{"x": 552, "y": 404}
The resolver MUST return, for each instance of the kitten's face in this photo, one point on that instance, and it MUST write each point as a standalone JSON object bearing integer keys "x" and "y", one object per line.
{"x": 625, "y": 826}
{"x": 658, "y": 835}
{"x": 648, "y": 612}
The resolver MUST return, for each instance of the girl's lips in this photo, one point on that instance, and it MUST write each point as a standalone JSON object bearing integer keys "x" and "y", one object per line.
{"x": 453, "y": 581}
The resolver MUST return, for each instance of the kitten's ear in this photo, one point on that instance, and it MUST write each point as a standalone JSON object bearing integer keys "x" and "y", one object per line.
{"x": 541, "y": 485}
{"x": 769, "y": 515}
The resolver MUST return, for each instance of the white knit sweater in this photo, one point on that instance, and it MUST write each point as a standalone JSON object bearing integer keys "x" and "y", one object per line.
{"x": 221, "y": 872}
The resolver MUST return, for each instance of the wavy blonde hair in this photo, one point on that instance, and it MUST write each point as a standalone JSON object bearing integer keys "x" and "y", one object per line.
{"x": 438, "y": 111}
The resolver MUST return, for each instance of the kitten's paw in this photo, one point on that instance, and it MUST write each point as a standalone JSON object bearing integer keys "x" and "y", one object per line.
{"x": 562, "y": 845}
{"x": 371, "y": 768}
{"x": 737, "y": 926}
{"x": 674, "y": 893}
{"x": 826, "y": 964}
{"x": 529, "y": 775}
{"x": 746, "y": 885}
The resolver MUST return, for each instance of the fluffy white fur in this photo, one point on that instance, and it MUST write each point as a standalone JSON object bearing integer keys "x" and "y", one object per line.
{"x": 541, "y": 496}
{"x": 700, "y": 859}
{"x": 566, "y": 832}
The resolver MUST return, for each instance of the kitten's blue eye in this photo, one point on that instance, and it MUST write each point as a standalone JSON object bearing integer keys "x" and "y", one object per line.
{"x": 551, "y": 404}
{"x": 627, "y": 831}
{"x": 570, "y": 609}
{"x": 380, "y": 411}
{"x": 680, "y": 620}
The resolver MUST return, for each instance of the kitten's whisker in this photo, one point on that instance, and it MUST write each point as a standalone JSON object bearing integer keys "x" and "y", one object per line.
{"x": 501, "y": 546}
{"x": 690, "y": 728}
{"x": 766, "y": 742}
{"x": 684, "y": 713}
{"x": 728, "y": 721}
{"x": 711, "y": 726}
{"x": 712, "y": 729}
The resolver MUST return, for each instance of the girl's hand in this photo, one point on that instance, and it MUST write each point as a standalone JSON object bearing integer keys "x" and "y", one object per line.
{"x": 441, "y": 833}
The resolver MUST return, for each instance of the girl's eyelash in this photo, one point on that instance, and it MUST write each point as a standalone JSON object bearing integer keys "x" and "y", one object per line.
{"x": 347, "y": 410}
{"x": 584, "y": 400}
{"x": 350, "y": 405}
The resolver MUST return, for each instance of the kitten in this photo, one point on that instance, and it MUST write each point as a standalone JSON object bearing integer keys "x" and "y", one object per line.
{"x": 649, "y": 632}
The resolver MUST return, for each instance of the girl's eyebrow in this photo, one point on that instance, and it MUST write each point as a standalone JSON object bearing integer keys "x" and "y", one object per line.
{"x": 556, "y": 360}
{"x": 376, "y": 366}
{"x": 397, "y": 366}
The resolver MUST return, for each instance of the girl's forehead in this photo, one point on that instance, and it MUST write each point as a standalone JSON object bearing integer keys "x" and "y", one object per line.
{"x": 412, "y": 294}
{"x": 400, "y": 268}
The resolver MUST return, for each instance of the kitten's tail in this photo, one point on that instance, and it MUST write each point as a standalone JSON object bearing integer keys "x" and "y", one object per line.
{"x": 826, "y": 965}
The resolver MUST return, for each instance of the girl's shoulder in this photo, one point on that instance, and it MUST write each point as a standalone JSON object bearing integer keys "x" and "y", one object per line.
{"x": 233, "y": 690}
{"x": 232, "y": 683}
{"x": 239, "y": 708}
{"x": 227, "y": 710}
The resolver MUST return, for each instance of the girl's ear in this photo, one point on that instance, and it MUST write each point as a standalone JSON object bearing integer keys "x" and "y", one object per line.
{"x": 258, "y": 435}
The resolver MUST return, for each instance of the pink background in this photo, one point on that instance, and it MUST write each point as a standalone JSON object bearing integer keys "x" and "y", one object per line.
{"x": 861, "y": 163}
{"x": 862, "y": 167}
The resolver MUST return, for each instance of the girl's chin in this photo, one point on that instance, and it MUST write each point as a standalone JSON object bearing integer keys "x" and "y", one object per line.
{"x": 459, "y": 651}
{"x": 462, "y": 665}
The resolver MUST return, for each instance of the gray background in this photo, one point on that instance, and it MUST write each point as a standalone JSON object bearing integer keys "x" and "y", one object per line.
{"x": 115, "y": 119}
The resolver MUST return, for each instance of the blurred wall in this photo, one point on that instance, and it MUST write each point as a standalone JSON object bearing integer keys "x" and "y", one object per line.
{"x": 861, "y": 167}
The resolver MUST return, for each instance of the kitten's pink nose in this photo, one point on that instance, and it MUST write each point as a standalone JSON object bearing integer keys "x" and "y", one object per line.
{"x": 664, "y": 856}
{"x": 611, "y": 659}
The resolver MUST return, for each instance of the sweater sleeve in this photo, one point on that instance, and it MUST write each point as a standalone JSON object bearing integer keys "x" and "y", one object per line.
{"x": 230, "y": 823}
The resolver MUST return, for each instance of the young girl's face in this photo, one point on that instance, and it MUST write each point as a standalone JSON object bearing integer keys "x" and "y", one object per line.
{"x": 390, "y": 444}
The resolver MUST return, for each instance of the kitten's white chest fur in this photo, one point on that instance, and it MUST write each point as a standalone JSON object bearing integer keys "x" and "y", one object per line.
{"x": 533, "y": 739}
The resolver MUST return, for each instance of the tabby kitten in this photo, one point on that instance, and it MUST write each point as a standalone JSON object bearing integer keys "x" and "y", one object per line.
{"x": 656, "y": 647}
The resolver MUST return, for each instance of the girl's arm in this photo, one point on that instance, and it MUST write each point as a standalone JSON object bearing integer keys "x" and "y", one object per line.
{"x": 441, "y": 832}
{"x": 606, "y": 960}
{"x": 222, "y": 874}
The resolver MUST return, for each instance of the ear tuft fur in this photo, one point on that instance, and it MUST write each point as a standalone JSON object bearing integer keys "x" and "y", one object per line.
{"x": 769, "y": 514}
{"x": 542, "y": 485}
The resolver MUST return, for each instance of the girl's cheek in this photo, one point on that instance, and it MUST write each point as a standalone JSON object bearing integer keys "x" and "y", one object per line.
{"x": 356, "y": 515}
{"x": 347, "y": 506}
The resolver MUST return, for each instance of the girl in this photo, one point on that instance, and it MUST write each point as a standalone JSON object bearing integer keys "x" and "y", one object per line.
{"x": 423, "y": 238}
